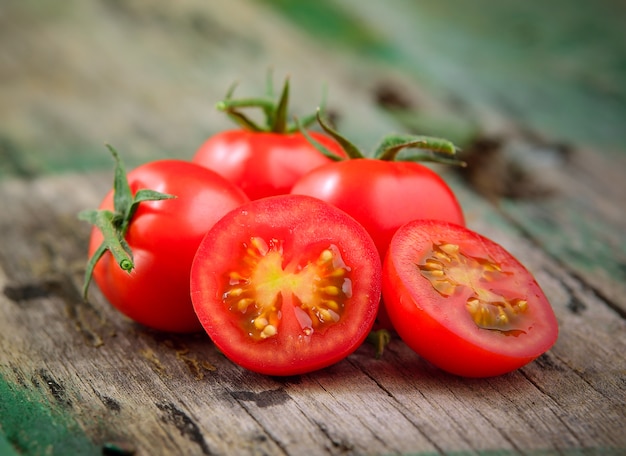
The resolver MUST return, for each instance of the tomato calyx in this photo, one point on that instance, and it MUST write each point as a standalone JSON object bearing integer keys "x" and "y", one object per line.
{"x": 114, "y": 224}
{"x": 424, "y": 148}
{"x": 275, "y": 112}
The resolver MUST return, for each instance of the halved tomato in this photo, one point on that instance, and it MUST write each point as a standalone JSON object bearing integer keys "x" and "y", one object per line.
{"x": 286, "y": 284}
{"x": 463, "y": 302}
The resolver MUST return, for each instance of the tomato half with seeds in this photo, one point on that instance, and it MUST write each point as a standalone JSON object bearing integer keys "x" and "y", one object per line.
{"x": 286, "y": 285}
{"x": 463, "y": 302}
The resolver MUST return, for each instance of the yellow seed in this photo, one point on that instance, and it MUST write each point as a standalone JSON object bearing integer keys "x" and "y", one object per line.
{"x": 243, "y": 304}
{"x": 324, "y": 315}
{"x": 234, "y": 292}
{"x": 450, "y": 249}
{"x": 522, "y": 305}
{"x": 333, "y": 305}
{"x": 484, "y": 316}
{"x": 338, "y": 272}
{"x": 325, "y": 256}
{"x": 260, "y": 323}
{"x": 442, "y": 256}
{"x": 436, "y": 273}
{"x": 269, "y": 331}
{"x": 473, "y": 305}
{"x": 432, "y": 264}
{"x": 444, "y": 287}
{"x": 502, "y": 318}
{"x": 331, "y": 290}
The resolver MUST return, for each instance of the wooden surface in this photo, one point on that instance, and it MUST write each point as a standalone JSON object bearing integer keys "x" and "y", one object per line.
{"x": 545, "y": 142}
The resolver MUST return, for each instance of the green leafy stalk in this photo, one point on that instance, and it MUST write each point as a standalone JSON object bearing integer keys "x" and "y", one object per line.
{"x": 114, "y": 224}
{"x": 434, "y": 149}
{"x": 351, "y": 150}
{"x": 425, "y": 148}
{"x": 275, "y": 112}
{"x": 279, "y": 120}
{"x": 318, "y": 145}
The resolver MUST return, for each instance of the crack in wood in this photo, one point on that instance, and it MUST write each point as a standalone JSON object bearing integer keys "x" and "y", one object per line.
{"x": 185, "y": 425}
{"x": 57, "y": 390}
{"x": 110, "y": 403}
{"x": 263, "y": 399}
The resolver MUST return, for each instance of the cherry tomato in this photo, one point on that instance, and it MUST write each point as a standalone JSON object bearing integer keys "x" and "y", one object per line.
{"x": 382, "y": 195}
{"x": 286, "y": 285}
{"x": 163, "y": 237}
{"x": 263, "y": 163}
{"x": 463, "y": 302}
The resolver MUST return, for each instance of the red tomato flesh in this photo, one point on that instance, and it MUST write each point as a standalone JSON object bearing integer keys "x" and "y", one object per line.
{"x": 261, "y": 163}
{"x": 164, "y": 236}
{"x": 286, "y": 285}
{"x": 463, "y": 302}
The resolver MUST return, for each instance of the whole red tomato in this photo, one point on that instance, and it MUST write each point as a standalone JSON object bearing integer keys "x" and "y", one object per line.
{"x": 264, "y": 160}
{"x": 263, "y": 163}
{"x": 162, "y": 236}
{"x": 382, "y": 195}
{"x": 286, "y": 285}
{"x": 463, "y": 302}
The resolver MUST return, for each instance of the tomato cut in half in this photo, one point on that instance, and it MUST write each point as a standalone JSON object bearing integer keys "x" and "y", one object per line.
{"x": 463, "y": 302}
{"x": 286, "y": 284}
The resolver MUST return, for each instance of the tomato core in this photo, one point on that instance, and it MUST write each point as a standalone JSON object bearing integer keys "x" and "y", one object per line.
{"x": 262, "y": 284}
{"x": 450, "y": 271}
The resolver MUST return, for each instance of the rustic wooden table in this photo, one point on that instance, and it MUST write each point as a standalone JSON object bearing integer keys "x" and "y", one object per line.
{"x": 542, "y": 130}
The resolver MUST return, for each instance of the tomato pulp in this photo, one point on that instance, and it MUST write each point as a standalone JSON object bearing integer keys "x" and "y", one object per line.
{"x": 164, "y": 236}
{"x": 463, "y": 302}
{"x": 264, "y": 163}
{"x": 286, "y": 285}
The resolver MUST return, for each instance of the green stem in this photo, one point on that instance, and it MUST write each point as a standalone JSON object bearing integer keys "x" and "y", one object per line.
{"x": 114, "y": 224}
{"x": 351, "y": 150}
{"x": 380, "y": 339}
{"x": 318, "y": 145}
{"x": 438, "y": 149}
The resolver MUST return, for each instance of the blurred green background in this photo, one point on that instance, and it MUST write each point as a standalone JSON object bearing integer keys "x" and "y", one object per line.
{"x": 145, "y": 75}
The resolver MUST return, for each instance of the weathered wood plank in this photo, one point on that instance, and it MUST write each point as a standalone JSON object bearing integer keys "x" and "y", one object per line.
{"x": 161, "y": 393}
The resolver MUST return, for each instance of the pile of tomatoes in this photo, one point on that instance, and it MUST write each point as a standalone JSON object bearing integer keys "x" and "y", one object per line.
{"x": 288, "y": 247}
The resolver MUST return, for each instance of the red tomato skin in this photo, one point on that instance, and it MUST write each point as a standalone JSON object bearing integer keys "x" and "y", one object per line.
{"x": 302, "y": 222}
{"x": 382, "y": 195}
{"x": 263, "y": 164}
{"x": 448, "y": 338}
{"x": 164, "y": 236}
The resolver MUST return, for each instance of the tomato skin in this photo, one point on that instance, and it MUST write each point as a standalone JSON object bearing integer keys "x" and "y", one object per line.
{"x": 440, "y": 329}
{"x": 304, "y": 225}
{"x": 164, "y": 236}
{"x": 263, "y": 163}
{"x": 382, "y": 195}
